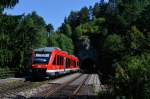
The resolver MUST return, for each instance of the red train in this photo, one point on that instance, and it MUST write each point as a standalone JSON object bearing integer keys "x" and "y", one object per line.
{"x": 53, "y": 61}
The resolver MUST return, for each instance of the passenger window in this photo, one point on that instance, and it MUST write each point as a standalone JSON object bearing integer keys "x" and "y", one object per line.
{"x": 54, "y": 62}
{"x": 71, "y": 63}
{"x": 76, "y": 63}
{"x": 58, "y": 60}
{"x": 68, "y": 61}
{"x": 62, "y": 60}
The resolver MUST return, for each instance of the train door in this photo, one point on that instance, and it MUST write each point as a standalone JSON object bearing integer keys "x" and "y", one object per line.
{"x": 57, "y": 61}
{"x": 65, "y": 64}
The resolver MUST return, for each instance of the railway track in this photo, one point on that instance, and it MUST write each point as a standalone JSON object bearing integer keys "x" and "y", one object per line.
{"x": 21, "y": 88}
{"x": 77, "y": 91}
{"x": 11, "y": 91}
{"x": 68, "y": 89}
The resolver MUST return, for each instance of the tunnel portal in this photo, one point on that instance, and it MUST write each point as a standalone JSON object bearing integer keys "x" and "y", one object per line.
{"x": 88, "y": 66}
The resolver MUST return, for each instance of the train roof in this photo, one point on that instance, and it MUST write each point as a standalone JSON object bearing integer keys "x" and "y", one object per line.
{"x": 50, "y": 49}
{"x": 46, "y": 49}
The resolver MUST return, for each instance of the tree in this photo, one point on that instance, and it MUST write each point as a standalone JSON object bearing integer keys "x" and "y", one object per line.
{"x": 66, "y": 29}
{"x": 62, "y": 41}
{"x": 78, "y": 32}
{"x": 7, "y": 30}
{"x": 84, "y": 15}
{"x": 7, "y": 4}
{"x": 134, "y": 40}
{"x": 73, "y": 19}
{"x": 18, "y": 35}
{"x": 132, "y": 77}
{"x": 116, "y": 24}
{"x": 54, "y": 40}
{"x": 114, "y": 43}
{"x": 143, "y": 22}
{"x": 49, "y": 28}
{"x": 66, "y": 44}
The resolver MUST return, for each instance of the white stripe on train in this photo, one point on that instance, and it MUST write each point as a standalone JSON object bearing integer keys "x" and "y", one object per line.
{"x": 60, "y": 71}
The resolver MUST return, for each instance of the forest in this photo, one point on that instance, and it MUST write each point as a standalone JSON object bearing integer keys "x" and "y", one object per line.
{"x": 122, "y": 34}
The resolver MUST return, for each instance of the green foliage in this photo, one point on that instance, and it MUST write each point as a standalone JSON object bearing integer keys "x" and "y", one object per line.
{"x": 84, "y": 15}
{"x": 19, "y": 34}
{"x": 8, "y": 3}
{"x": 62, "y": 41}
{"x": 66, "y": 29}
{"x": 116, "y": 23}
{"x": 49, "y": 28}
{"x": 134, "y": 39}
{"x": 119, "y": 31}
{"x": 89, "y": 28}
{"x": 143, "y": 21}
{"x": 66, "y": 44}
{"x": 6, "y": 72}
{"x": 31, "y": 33}
{"x": 8, "y": 24}
{"x": 114, "y": 43}
{"x": 78, "y": 32}
{"x": 106, "y": 95}
{"x": 132, "y": 76}
{"x": 5, "y": 57}
{"x": 99, "y": 10}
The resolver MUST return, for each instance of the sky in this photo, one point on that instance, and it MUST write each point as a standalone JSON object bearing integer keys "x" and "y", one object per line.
{"x": 53, "y": 11}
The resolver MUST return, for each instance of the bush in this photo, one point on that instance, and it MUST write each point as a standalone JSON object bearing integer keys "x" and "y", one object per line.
{"x": 132, "y": 77}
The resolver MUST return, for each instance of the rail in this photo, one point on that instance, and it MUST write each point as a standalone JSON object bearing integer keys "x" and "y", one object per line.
{"x": 76, "y": 92}
{"x": 49, "y": 92}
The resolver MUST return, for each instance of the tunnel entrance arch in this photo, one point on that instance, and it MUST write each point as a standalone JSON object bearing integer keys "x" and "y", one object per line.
{"x": 88, "y": 65}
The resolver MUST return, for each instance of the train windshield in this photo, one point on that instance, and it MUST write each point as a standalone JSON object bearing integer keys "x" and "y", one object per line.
{"x": 41, "y": 58}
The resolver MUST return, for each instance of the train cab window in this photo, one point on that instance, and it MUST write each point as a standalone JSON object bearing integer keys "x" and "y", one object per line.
{"x": 41, "y": 57}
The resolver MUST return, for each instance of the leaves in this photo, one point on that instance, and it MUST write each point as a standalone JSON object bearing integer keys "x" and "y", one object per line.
{"x": 20, "y": 34}
{"x": 62, "y": 41}
{"x": 114, "y": 43}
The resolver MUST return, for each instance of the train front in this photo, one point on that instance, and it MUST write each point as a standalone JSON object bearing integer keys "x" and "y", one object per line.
{"x": 40, "y": 60}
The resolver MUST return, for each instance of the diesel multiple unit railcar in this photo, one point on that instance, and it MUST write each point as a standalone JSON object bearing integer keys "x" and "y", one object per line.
{"x": 53, "y": 61}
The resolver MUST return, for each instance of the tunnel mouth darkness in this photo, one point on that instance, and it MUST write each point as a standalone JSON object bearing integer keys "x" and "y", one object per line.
{"x": 88, "y": 66}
